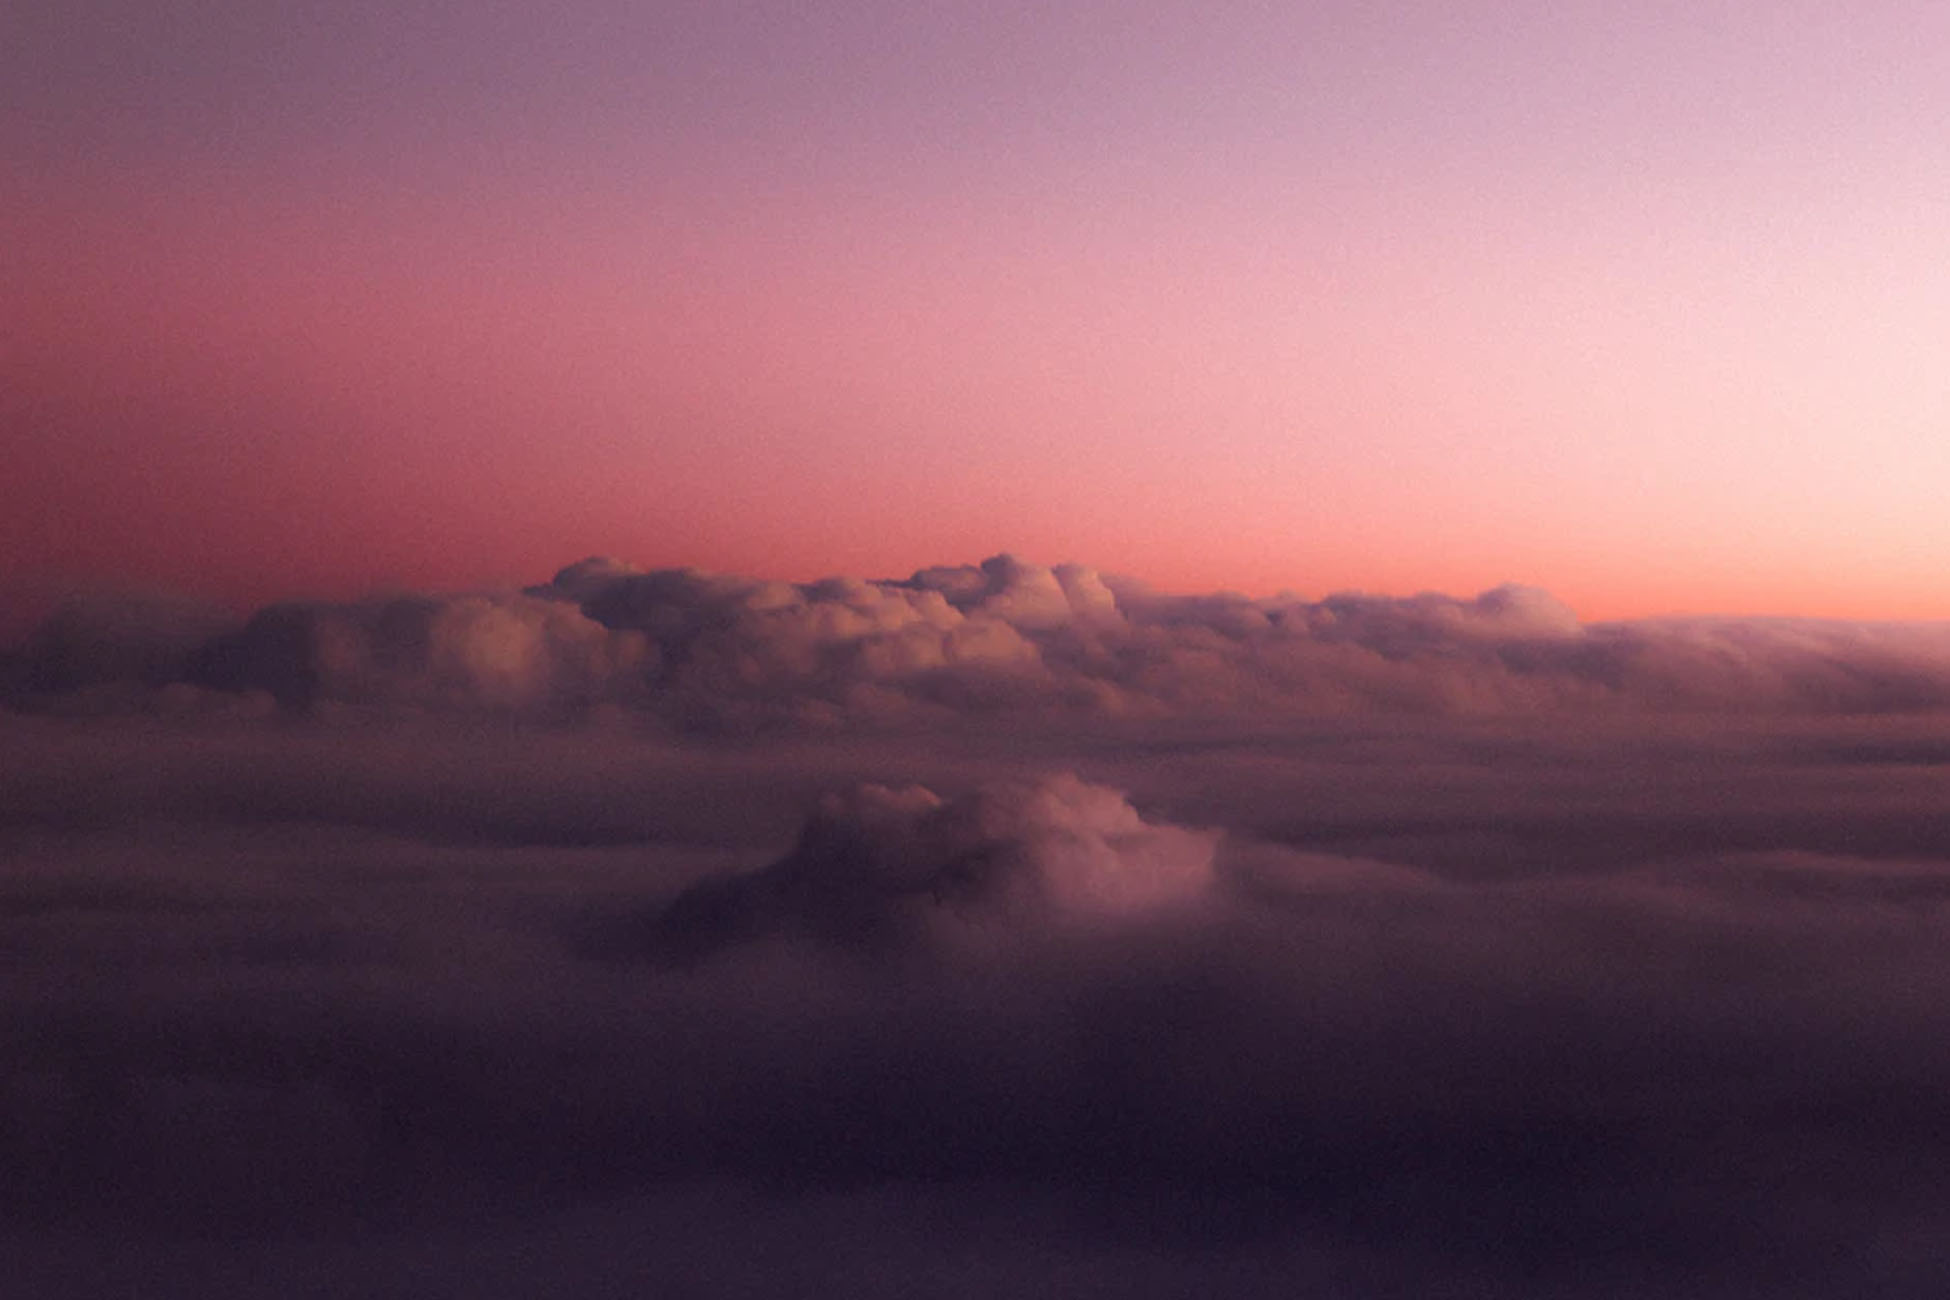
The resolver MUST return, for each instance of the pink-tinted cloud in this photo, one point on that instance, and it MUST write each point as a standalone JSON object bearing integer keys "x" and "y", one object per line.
{"x": 1004, "y": 640}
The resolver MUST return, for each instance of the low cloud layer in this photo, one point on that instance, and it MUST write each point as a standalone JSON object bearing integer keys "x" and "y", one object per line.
{"x": 1370, "y": 1007}
{"x": 703, "y": 652}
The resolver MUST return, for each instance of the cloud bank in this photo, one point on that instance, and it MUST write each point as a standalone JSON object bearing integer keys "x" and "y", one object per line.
{"x": 707, "y": 652}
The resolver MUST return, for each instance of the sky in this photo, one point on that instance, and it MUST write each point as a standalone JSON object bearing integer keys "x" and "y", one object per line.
{"x": 1641, "y": 304}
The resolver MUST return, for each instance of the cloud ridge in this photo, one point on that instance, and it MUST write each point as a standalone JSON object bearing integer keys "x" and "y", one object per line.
{"x": 716, "y": 652}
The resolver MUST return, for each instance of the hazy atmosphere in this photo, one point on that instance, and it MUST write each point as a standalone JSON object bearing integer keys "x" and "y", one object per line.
{"x": 940, "y": 650}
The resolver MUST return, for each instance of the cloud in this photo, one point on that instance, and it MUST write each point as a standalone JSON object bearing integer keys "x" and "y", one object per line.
{"x": 711, "y": 652}
{"x": 1394, "y": 1005}
{"x": 500, "y": 654}
{"x": 110, "y": 651}
{"x": 877, "y": 866}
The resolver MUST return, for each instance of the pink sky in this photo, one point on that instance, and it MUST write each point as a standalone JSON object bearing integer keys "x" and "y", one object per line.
{"x": 1648, "y": 310}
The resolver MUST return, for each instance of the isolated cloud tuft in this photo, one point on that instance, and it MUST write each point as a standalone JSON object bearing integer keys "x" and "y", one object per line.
{"x": 878, "y": 865}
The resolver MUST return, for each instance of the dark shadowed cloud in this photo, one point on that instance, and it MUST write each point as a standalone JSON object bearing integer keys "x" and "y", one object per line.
{"x": 1382, "y": 1005}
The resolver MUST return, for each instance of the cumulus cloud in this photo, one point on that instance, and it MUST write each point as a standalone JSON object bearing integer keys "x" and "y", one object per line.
{"x": 877, "y": 866}
{"x": 110, "y": 651}
{"x": 497, "y": 654}
{"x": 714, "y": 652}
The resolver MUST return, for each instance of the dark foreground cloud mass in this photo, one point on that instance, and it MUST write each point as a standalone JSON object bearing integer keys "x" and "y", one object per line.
{"x": 1378, "y": 1006}
{"x": 705, "y": 652}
